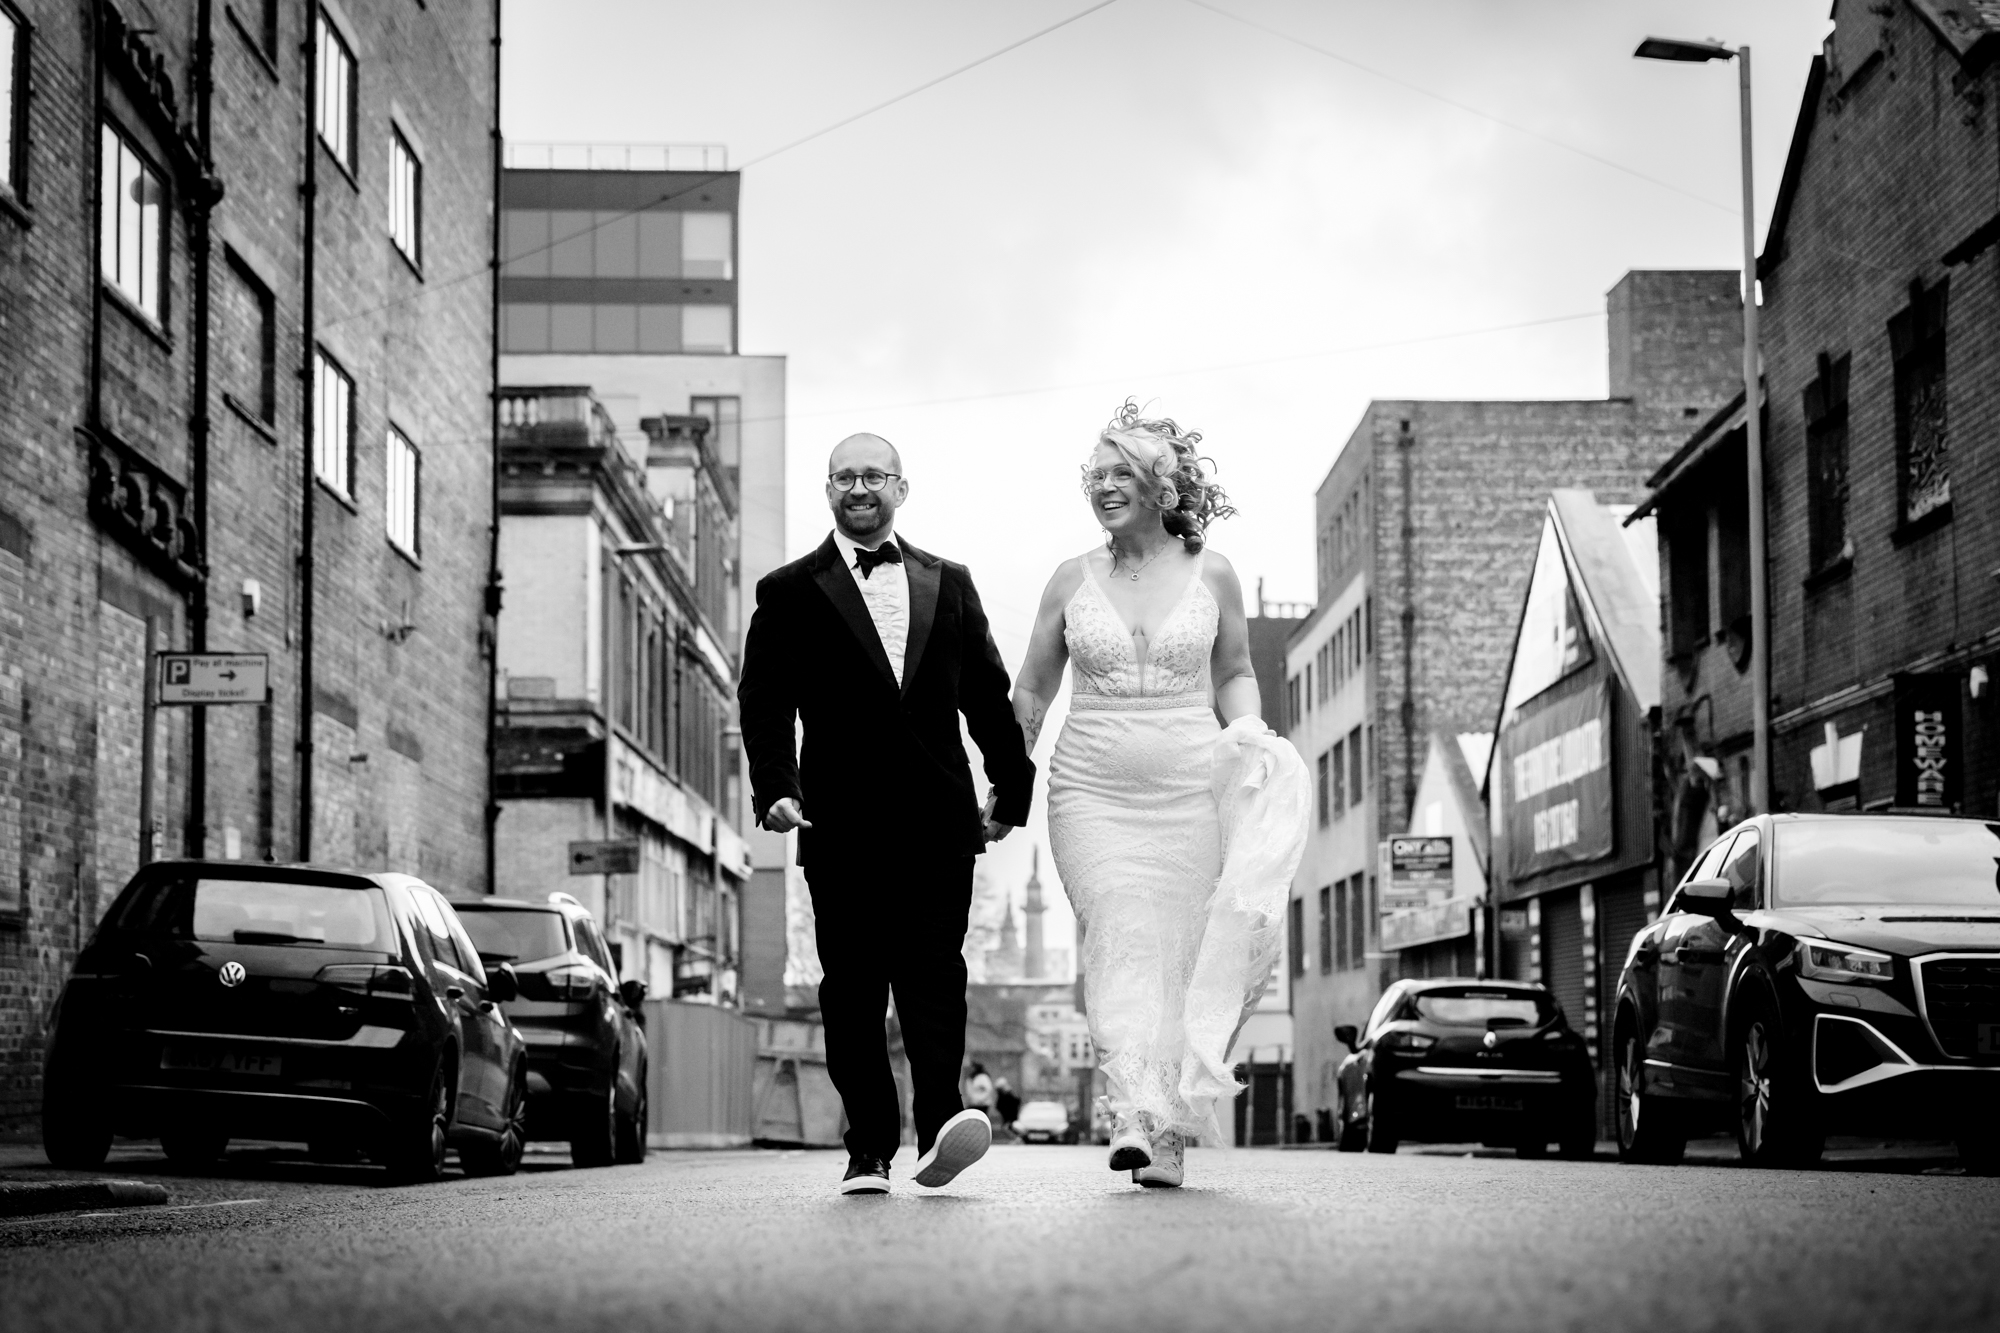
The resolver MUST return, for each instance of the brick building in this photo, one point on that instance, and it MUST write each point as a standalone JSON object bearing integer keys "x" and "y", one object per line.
{"x": 1881, "y": 352}
{"x": 616, "y": 685}
{"x": 167, "y": 280}
{"x": 1426, "y": 530}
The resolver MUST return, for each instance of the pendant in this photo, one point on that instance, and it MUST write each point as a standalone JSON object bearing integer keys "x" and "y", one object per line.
{"x": 1135, "y": 578}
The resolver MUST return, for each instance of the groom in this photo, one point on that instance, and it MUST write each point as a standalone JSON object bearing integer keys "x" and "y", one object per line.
{"x": 879, "y": 647}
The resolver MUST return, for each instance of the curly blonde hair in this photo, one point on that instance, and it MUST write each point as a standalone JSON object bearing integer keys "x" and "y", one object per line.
{"x": 1158, "y": 448}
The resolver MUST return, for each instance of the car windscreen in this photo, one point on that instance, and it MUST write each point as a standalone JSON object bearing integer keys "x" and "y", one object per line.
{"x": 1483, "y": 1008}
{"x": 1885, "y": 862}
{"x": 353, "y": 915}
{"x": 524, "y": 935}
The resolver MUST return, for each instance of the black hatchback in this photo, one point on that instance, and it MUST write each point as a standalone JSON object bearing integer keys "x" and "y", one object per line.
{"x": 1454, "y": 1060}
{"x": 584, "y": 1028}
{"x": 348, "y": 1011}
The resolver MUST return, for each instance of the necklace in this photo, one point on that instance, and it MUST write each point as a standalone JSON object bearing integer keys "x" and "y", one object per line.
{"x": 1142, "y": 568}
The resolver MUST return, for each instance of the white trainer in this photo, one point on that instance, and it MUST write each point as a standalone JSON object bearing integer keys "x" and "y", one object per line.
{"x": 963, "y": 1141}
{"x": 1167, "y": 1168}
{"x": 1131, "y": 1149}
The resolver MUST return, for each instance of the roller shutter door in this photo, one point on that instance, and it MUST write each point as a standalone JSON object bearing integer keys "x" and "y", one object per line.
{"x": 1562, "y": 952}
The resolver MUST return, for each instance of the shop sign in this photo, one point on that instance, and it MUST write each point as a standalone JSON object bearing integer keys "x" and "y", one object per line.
{"x": 1414, "y": 871}
{"x": 1930, "y": 746}
{"x": 1448, "y": 920}
{"x": 1556, "y": 781}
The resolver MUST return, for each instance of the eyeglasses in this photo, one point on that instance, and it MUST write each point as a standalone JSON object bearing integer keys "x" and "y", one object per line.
{"x": 844, "y": 479}
{"x": 1095, "y": 477}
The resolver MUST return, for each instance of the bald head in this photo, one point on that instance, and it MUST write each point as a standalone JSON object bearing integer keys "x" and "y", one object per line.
{"x": 862, "y": 451}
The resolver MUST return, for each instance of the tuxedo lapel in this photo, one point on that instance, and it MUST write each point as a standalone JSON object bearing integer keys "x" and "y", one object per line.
{"x": 838, "y": 585}
{"x": 924, "y": 578}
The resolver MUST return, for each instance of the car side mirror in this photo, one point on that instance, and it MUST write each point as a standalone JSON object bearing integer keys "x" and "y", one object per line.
{"x": 1707, "y": 897}
{"x": 502, "y": 985}
{"x": 1347, "y": 1036}
{"x": 633, "y": 993}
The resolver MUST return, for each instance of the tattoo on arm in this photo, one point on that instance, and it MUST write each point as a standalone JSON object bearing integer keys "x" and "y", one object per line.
{"x": 1031, "y": 725}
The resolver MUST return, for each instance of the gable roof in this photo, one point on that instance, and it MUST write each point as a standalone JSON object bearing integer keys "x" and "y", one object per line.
{"x": 1624, "y": 610}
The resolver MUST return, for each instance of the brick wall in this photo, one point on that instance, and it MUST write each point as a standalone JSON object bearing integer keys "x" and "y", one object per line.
{"x": 74, "y": 593}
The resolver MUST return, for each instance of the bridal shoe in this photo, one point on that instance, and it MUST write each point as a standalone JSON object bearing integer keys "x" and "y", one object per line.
{"x": 1131, "y": 1149}
{"x": 1166, "y": 1169}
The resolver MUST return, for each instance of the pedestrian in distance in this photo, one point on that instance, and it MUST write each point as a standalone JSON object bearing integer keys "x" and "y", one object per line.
{"x": 879, "y": 648}
{"x": 1176, "y": 837}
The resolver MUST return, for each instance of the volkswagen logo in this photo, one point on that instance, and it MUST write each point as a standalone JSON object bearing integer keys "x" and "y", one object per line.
{"x": 1489, "y": 1041}
{"x": 232, "y": 973}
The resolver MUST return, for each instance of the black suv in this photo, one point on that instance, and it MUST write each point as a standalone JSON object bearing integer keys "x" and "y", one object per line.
{"x": 1454, "y": 1060}
{"x": 1819, "y": 974}
{"x": 345, "y": 1010}
{"x": 585, "y": 1031}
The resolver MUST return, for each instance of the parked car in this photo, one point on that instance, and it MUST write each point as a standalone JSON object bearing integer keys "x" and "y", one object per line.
{"x": 1453, "y": 1060}
{"x": 1044, "y": 1122}
{"x": 221, "y": 1000}
{"x": 1818, "y": 974}
{"x": 584, "y": 1028}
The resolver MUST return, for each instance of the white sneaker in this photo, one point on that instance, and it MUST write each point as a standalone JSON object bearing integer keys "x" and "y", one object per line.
{"x": 1169, "y": 1159}
{"x": 963, "y": 1141}
{"x": 1131, "y": 1149}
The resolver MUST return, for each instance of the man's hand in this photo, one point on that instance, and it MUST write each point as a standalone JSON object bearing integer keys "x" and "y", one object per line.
{"x": 995, "y": 830}
{"x": 784, "y": 816}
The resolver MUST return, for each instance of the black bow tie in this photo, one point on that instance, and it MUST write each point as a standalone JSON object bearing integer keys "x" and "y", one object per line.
{"x": 865, "y": 560}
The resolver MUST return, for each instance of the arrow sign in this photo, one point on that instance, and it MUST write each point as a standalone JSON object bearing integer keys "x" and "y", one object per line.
{"x": 215, "y": 678}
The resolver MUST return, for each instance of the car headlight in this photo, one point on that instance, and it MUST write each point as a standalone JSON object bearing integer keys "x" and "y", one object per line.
{"x": 1826, "y": 961}
{"x": 1408, "y": 1041}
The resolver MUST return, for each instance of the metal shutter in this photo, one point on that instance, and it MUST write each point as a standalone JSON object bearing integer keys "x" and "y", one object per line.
{"x": 1562, "y": 952}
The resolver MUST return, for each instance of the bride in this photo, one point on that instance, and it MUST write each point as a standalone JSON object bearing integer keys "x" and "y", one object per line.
{"x": 1153, "y": 625}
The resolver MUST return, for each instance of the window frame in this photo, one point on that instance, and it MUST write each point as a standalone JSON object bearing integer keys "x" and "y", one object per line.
{"x": 323, "y": 361}
{"x": 1828, "y": 442}
{"x": 1919, "y": 352}
{"x": 342, "y": 153}
{"x": 14, "y": 161}
{"x": 1295, "y": 930}
{"x": 156, "y": 319}
{"x": 395, "y": 439}
{"x": 405, "y": 160}
{"x": 263, "y": 412}
{"x": 1326, "y": 930}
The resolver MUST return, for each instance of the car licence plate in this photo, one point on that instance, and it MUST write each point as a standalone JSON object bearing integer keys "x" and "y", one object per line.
{"x": 1989, "y": 1039}
{"x": 1485, "y": 1101}
{"x": 223, "y": 1061}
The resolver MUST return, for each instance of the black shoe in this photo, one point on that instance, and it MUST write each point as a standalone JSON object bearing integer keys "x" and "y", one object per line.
{"x": 865, "y": 1175}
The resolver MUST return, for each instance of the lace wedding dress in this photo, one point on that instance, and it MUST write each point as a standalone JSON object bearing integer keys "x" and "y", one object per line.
{"x": 1136, "y": 829}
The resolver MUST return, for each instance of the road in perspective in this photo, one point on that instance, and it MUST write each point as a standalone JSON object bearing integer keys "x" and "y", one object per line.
{"x": 1033, "y": 1238}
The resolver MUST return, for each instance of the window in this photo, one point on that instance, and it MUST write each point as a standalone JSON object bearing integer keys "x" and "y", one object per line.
{"x": 13, "y": 79}
{"x": 406, "y": 199}
{"x": 1341, "y": 911}
{"x": 1740, "y": 869}
{"x": 725, "y": 430}
{"x": 1309, "y": 686}
{"x": 1295, "y": 935}
{"x": 1686, "y": 527}
{"x": 707, "y": 245}
{"x": 333, "y": 424}
{"x": 1357, "y": 785}
{"x": 1916, "y": 340}
{"x": 1325, "y": 792}
{"x": 402, "y": 491}
{"x": 250, "y": 346}
{"x": 707, "y": 328}
{"x": 1826, "y": 462}
{"x": 1339, "y": 762}
{"x": 1326, "y": 929}
{"x": 336, "y": 93}
{"x": 133, "y": 223}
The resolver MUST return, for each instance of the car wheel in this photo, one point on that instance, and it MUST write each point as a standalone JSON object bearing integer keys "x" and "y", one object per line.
{"x": 502, "y": 1156}
{"x": 1649, "y": 1131}
{"x": 191, "y": 1146}
{"x": 1774, "y": 1121}
{"x": 593, "y": 1140}
{"x": 630, "y": 1130}
{"x": 417, "y": 1141}
{"x": 76, "y": 1135}
{"x": 1381, "y": 1129}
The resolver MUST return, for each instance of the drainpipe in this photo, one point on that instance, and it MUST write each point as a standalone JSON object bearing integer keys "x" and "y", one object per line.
{"x": 1405, "y": 446}
{"x": 207, "y": 193}
{"x": 493, "y": 528}
{"x": 309, "y": 196}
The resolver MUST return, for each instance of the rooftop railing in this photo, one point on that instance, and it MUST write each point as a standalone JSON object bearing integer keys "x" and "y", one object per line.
{"x": 618, "y": 156}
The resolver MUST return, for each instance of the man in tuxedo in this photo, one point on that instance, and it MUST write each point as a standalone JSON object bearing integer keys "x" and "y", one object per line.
{"x": 879, "y": 647}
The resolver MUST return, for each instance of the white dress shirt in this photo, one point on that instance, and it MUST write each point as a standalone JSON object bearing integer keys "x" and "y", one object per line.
{"x": 886, "y": 590}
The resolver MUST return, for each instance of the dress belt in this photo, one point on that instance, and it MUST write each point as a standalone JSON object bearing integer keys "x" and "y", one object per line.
{"x": 1142, "y": 703}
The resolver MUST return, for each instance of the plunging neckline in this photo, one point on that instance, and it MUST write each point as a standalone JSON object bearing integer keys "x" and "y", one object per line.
{"x": 1132, "y": 635}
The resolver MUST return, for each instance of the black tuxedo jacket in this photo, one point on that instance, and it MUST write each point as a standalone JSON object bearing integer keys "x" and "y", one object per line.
{"x": 878, "y": 761}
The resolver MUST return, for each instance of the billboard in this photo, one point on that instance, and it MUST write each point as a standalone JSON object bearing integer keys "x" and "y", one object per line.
{"x": 1556, "y": 783}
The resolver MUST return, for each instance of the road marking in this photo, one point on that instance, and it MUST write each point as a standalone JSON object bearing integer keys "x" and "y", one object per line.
{"x": 139, "y": 1211}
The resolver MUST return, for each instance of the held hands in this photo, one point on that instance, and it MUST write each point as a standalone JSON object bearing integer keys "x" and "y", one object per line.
{"x": 784, "y": 816}
{"x": 995, "y": 830}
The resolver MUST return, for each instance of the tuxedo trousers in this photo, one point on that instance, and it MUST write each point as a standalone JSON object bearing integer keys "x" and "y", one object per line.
{"x": 892, "y": 924}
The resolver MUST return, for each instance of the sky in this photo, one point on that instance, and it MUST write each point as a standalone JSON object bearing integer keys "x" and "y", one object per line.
{"x": 1164, "y": 201}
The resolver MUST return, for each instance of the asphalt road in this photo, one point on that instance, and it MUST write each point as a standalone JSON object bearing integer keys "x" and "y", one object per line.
{"x": 1031, "y": 1239}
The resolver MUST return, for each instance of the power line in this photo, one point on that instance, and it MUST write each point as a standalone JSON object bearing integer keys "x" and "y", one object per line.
{"x": 606, "y": 220}
{"x": 1466, "y": 107}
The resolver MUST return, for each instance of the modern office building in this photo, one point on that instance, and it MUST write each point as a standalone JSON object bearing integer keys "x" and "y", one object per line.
{"x": 1426, "y": 530}
{"x": 619, "y": 275}
{"x": 245, "y": 332}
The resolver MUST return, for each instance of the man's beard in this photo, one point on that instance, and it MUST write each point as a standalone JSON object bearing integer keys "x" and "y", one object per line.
{"x": 860, "y": 522}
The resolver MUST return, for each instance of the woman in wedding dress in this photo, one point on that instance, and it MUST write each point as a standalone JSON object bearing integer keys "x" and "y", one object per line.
{"x": 1152, "y": 624}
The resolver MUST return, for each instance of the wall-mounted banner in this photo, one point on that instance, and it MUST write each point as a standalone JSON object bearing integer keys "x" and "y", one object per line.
{"x": 1930, "y": 747}
{"x": 1448, "y": 920}
{"x": 1556, "y": 781}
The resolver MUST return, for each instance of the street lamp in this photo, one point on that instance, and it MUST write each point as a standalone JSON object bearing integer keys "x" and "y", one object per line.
{"x": 1667, "y": 48}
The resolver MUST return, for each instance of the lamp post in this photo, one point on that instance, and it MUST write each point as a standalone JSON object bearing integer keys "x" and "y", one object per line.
{"x": 1666, "y": 48}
